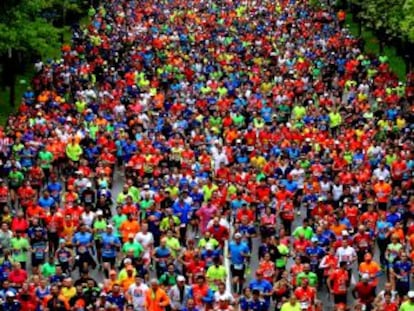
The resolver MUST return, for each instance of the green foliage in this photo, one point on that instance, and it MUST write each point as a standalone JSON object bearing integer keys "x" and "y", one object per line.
{"x": 22, "y": 28}
{"x": 407, "y": 21}
{"x": 394, "y": 18}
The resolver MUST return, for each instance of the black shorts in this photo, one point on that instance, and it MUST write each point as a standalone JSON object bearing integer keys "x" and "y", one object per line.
{"x": 340, "y": 298}
{"x": 110, "y": 260}
{"x": 36, "y": 262}
{"x": 239, "y": 273}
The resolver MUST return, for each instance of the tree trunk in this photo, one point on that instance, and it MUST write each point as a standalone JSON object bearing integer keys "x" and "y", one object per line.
{"x": 10, "y": 70}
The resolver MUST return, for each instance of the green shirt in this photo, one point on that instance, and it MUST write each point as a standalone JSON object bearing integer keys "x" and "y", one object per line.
{"x": 16, "y": 178}
{"x": 173, "y": 244}
{"x": 335, "y": 119}
{"x": 165, "y": 222}
{"x": 121, "y": 197}
{"x": 306, "y": 232}
{"x": 284, "y": 251}
{"x": 215, "y": 274}
{"x": 46, "y": 159}
{"x": 168, "y": 279}
{"x": 299, "y": 112}
{"x": 238, "y": 120}
{"x": 99, "y": 226}
{"x": 135, "y": 246}
{"x": 134, "y": 193}
{"x": 208, "y": 191}
{"x": 407, "y": 306}
{"x": 212, "y": 242}
{"x": 118, "y": 220}
{"x": 74, "y": 151}
{"x": 312, "y": 277}
{"x": 48, "y": 270}
{"x": 20, "y": 246}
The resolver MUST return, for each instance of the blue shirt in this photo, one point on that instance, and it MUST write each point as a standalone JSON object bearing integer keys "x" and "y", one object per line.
{"x": 382, "y": 228}
{"x": 403, "y": 269}
{"x": 315, "y": 253}
{"x": 263, "y": 286}
{"x": 182, "y": 210}
{"x": 393, "y": 218}
{"x": 119, "y": 300}
{"x": 46, "y": 203}
{"x": 254, "y": 305}
{"x": 82, "y": 238}
{"x": 55, "y": 189}
{"x": 109, "y": 244}
{"x": 236, "y": 250}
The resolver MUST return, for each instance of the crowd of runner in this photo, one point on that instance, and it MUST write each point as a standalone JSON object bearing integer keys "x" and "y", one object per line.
{"x": 242, "y": 132}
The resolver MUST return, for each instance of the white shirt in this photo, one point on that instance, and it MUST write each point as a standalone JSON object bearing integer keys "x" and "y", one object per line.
{"x": 146, "y": 240}
{"x": 137, "y": 292}
{"x": 298, "y": 174}
{"x": 87, "y": 218}
{"x": 345, "y": 254}
{"x": 384, "y": 173}
{"x": 337, "y": 191}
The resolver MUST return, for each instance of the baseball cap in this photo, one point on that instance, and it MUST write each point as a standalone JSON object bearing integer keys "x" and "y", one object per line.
{"x": 180, "y": 278}
{"x": 237, "y": 235}
{"x": 344, "y": 232}
{"x": 365, "y": 276}
{"x": 410, "y": 294}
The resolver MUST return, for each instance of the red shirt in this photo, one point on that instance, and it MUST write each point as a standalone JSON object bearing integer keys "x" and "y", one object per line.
{"x": 245, "y": 212}
{"x": 4, "y": 192}
{"x": 19, "y": 225}
{"x": 18, "y": 276}
{"x": 220, "y": 233}
{"x": 307, "y": 294}
{"x": 365, "y": 292}
{"x": 340, "y": 279}
{"x": 362, "y": 240}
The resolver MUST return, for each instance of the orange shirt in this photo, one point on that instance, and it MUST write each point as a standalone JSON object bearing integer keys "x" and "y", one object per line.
{"x": 268, "y": 270}
{"x": 129, "y": 227}
{"x": 371, "y": 268}
{"x": 383, "y": 191}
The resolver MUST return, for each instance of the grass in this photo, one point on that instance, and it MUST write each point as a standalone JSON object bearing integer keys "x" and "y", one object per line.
{"x": 23, "y": 80}
{"x": 396, "y": 62}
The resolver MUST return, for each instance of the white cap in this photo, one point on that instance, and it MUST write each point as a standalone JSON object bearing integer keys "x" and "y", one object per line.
{"x": 9, "y": 293}
{"x": 180, "y": 278}
{"x": 344, "y": 232}
{"x": 381, "y": 178}
{"x": 365, "y": 276}
{"x": 410, "y": 294}
{"x": 209, "y": 247}
{"x": 146, "y": 187}
{"x": 237, "y": 235}
{"x": 99, "y": 212}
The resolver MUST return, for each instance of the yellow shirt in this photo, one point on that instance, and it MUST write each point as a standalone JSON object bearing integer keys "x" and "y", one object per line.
{"x": 288, "y": 307}
{"x": 68, "y": 293}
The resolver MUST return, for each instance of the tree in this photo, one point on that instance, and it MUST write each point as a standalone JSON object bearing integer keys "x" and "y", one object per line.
{"x": 24, "y": 32}
{"x": 407, "y": 21}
